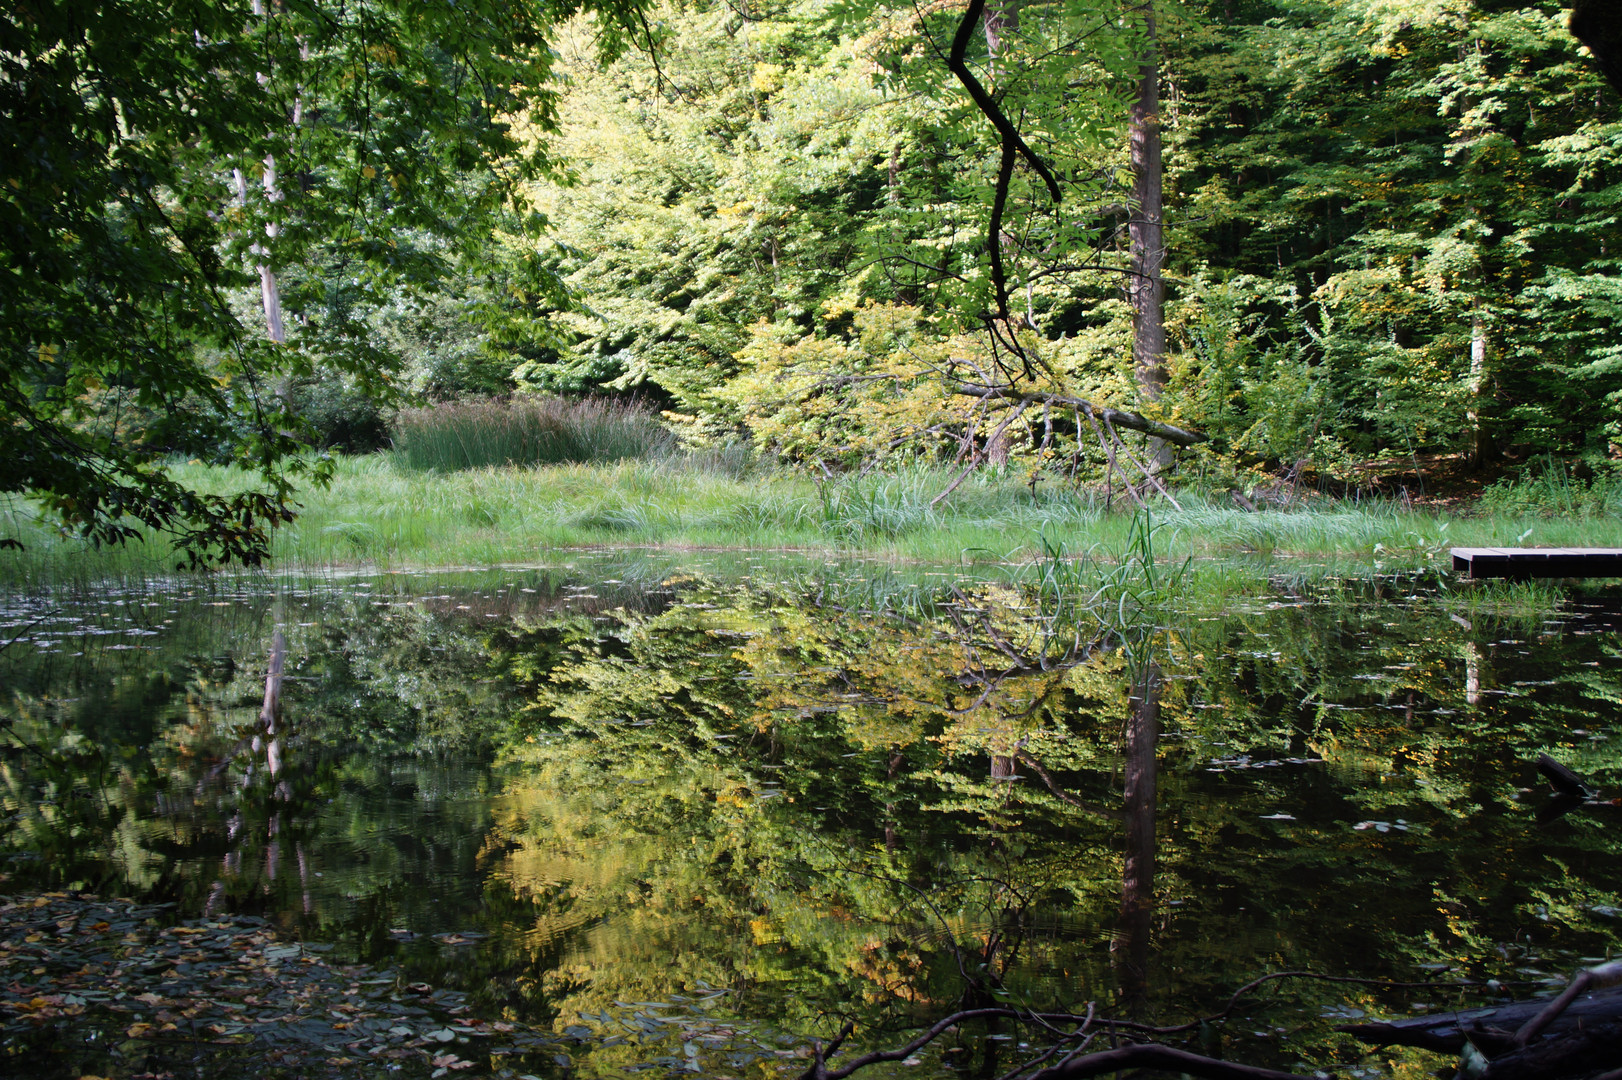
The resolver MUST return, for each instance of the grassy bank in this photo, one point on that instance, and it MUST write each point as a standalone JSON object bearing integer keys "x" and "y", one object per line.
{"x": 379, "y": 512}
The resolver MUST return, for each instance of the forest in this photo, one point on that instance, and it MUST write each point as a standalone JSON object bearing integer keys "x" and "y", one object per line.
{"x": 788, "y": 539}
{"x": 1227, "y": 244}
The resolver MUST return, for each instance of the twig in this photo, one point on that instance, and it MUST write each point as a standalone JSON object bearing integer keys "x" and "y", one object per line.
{"x": 1155, "y": 1056}
{"x": 820, "y": 1071}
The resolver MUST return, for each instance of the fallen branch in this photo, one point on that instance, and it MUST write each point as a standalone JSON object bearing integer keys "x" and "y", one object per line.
{"x": 1155, "y": 1056}
{"x": 1114, "y": 417}
{"x": 1077, "y": 1065}
{"x": 1577, "y": 1053}
{"x": 1602, "y": 975}
{"x": 820, "y": 1070}
{"x": 1448, "y": 1032}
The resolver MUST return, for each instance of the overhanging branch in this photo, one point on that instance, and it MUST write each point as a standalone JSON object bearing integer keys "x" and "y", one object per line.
{"x": 1012, "y": 144}
{"x": 1119, "y": 418}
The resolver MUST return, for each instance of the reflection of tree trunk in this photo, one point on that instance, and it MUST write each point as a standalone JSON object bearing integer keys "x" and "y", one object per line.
{"x": 1130, "y": 948}
{"x": 1472, "y": 674}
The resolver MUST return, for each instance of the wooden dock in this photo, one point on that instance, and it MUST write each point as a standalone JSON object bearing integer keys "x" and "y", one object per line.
{"x": 1538, "y": 562}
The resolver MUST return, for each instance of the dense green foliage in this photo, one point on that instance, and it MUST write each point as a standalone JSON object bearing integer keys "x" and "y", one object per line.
{"x": 1391, "y": 229}
{"x": 161, "y": 160}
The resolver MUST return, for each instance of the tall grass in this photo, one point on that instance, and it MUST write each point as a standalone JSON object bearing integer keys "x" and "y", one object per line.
{"x": 381, "y": 512}
{"x": 528, "y": 431}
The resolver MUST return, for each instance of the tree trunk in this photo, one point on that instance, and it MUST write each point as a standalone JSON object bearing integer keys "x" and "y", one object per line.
{"x": 1148, "y": 244}
{"x": 1480, "y": 441}
{"x": 999, "y": 19}
{"x": 269, "y": 290}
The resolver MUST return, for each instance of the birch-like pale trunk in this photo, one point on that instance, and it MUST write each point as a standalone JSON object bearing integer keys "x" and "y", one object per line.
{"x": 1480, "y": 445}
{"x": 269, "y": 291}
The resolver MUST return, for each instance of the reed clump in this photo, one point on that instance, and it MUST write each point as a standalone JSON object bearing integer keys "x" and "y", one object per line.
{"x": 494, "y": 432}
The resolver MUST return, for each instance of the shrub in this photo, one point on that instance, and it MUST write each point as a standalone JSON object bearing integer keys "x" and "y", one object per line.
{"x": 340, "y": 416}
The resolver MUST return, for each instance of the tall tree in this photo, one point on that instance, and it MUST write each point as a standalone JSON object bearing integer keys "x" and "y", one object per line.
{"x": 1148, "y": 282}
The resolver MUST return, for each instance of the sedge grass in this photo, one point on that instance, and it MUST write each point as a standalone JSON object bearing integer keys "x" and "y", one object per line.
{"x": 528, "y": 431}
{"x": 381, "y": 512}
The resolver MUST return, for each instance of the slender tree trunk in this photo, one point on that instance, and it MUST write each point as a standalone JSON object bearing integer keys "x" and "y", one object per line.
{"x": 1480, "y": 441}
{"x": 1148, "y": 244}
{"x": 269, "y": 290}
{"x": 1000, "y": 19}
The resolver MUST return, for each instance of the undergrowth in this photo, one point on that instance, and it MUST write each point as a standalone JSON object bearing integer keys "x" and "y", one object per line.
{"x": 1552, "y": 487}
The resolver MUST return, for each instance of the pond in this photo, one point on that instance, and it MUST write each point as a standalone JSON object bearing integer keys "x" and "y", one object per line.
{"x": 688, "y": 816}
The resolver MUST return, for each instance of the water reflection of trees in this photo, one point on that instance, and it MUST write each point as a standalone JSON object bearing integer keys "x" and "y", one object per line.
{"x": 839, "y": 813}
{"x": 920, "y": 811}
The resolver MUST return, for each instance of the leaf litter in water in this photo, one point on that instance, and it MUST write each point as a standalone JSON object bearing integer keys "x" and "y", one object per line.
{"x": 92, "y": 987}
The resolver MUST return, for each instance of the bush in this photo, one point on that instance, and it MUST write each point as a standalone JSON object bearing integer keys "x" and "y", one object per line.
{"x": 341, "y": 416}
{"x": 544, "y": 431}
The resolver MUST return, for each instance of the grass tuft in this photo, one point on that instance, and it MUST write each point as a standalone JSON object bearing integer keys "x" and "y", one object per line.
{"x": 528, "y": 431}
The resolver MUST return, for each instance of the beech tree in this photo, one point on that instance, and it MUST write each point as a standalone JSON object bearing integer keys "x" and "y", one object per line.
{"x": 164, "y": 162}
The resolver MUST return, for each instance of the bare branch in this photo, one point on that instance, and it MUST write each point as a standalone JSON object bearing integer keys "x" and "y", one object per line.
{"x": 1115, "y": 417}
{"x": 1155, "y": 1056}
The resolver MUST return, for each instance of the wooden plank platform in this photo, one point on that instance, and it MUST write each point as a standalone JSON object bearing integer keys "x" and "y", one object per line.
{"x": 1538, "y": 562}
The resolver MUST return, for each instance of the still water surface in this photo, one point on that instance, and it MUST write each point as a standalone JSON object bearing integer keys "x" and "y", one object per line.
{"x": 618, "y": 795}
